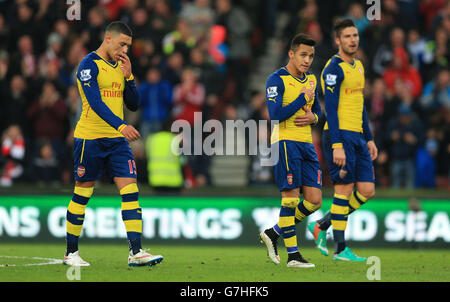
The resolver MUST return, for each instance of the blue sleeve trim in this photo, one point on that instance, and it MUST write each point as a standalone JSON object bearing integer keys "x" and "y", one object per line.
{"x": 332, "y": 77}
{"x": 131, "y": 95}
{"x": 316, "y": 109}
{"x": 87, "y": 75}
{"x": 366, "y": 128}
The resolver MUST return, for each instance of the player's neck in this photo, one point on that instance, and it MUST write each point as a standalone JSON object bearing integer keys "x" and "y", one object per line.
{"x": 346, "y": 57}
{"x": 101, "y": 51}
{"x": 293, "y": 71}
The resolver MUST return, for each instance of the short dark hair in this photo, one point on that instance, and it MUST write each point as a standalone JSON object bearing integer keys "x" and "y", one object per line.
{"x": 342, "y": 24}
{"x": 301, "y": 39}
{"x": 119, "y": 27}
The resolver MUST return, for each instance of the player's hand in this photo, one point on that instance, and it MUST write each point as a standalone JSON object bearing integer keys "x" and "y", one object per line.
{"x": 130, "y": 133}
{"x": 303, "y": 120}
{"x": 373, "y": 150}
{"x": 125, "y": 65}
{"x": 339, "y": 157}
{"x": 309, "y": 92}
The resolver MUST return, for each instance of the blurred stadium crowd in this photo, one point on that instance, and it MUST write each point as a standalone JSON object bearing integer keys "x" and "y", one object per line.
{"x": 197, "y": 56}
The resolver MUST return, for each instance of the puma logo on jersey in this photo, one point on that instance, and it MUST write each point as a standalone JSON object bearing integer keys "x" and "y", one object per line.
{"x": 330, "y": 89}
{"x": 87, "y": 84}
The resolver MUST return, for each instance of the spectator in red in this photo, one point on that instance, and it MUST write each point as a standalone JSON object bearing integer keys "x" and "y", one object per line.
{"x": 378, "y": 102}
{"x": 429, "y": 9}
{"x": 113, "y": 7}
{"x": 189, "y": 96}
{"x": 48, "y": 113}
{"x": 48, "y": 116}
{"x": 402, "y": 69}
{"x": 217, "y": 48}
{"x": 12, "y": 154}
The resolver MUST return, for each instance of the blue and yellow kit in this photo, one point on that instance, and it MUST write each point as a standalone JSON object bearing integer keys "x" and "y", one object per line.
{"x": 347, "y": 124}
{"x": 297, "y": 164}
{"x": 99, "y": 145}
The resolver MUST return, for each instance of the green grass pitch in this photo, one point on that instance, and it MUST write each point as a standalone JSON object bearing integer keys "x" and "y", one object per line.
{"x": 217, "y": 264}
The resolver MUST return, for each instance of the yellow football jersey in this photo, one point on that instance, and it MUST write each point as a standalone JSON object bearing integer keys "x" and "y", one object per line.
{"x": 101, "y": 85}
{"x": 283, "y": 87}
{"x": 345, "y": 82}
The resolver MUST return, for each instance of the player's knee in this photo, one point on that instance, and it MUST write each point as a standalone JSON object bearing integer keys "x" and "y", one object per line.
{"x": 317, "y": 201}
{"x": 368, "y": 193}
{"x": 84, "y": 184}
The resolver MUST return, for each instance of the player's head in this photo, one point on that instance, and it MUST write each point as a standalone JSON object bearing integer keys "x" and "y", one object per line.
{"x": 301, "y": 52}
{"x": 118, "y": 37}
{"x": 346, "y": 36}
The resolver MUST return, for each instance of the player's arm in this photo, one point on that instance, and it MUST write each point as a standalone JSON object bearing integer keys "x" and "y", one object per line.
{"x": 87, "y": 75}
{"x": 365, "y": 125}
{"x": 130, "y": 93}
{"x": 312, "y": 115}
{"x": 316, "y": 109}
{"x": 373, "y": 150}
{"x": 274, "y": 97}
{"x": 332, "y": 78}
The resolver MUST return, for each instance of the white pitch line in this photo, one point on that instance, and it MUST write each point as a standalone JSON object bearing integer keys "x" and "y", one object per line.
{"x": 50, "y": 261}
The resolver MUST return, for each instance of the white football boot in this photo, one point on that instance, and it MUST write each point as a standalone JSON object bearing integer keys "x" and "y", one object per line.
{"x": 143, "y": 258}
{"x": 74, "y": 259}
{"x": 296, "y": 263}
{"x": 271, "y": 246}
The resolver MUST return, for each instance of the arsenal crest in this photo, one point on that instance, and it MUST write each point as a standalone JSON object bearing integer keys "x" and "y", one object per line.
{"x": 289, "y": 179}
{"x": 342, "y": 173}
{"x": 80, "y": 171}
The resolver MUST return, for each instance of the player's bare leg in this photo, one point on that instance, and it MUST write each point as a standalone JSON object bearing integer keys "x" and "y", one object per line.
{"x": 84, "y": 184}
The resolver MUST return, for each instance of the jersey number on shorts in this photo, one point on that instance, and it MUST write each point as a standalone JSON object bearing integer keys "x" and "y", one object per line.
{"x": 132, "y": 166}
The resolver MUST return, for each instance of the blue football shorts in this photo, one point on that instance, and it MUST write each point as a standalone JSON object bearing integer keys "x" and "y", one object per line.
{"x": 93, "y": 157}
{"x": 358, "y": 164}
{"x": 297, "y": 166}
